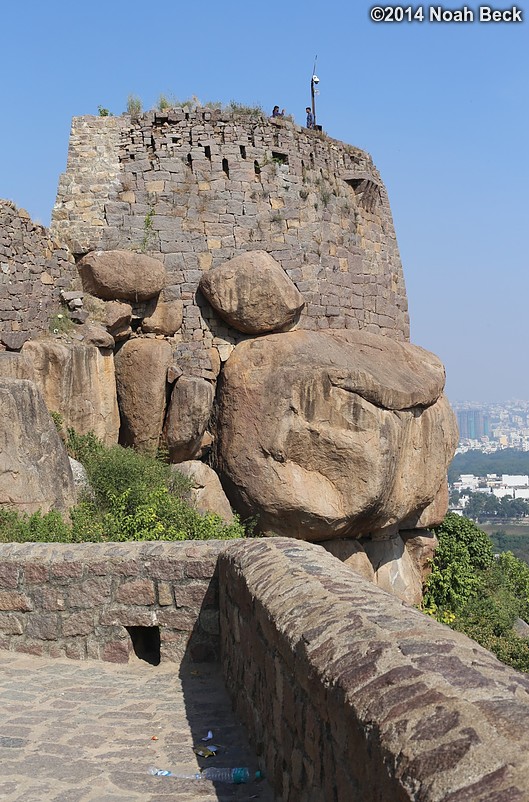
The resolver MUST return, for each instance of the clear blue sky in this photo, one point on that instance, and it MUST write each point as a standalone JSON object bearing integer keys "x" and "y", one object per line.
{"x": 442, "y": 108}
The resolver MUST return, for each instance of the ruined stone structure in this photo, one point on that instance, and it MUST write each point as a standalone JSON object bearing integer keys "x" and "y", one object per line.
{"x": 34, "y": 267}
{"x": 336, "y": 429}
{"x": 196, "y": 188}
{"x": 201, "y": 233}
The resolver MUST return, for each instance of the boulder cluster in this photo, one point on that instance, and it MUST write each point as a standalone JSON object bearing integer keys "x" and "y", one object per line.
{"x": 340, "y": 437}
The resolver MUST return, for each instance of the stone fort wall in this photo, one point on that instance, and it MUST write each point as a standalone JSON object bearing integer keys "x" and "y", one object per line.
{"x": 34, "y": 267}
{"x": 196, "y": 188}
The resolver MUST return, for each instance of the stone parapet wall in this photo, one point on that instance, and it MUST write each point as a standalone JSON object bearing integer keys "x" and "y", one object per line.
{"x": 34, "y": 267}
{"x": 350, "y": 695}
{"x": 196, "y": 188}
{"x": 76, "y": 601}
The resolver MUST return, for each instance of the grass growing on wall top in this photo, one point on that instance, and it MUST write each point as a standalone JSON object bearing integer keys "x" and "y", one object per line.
{"x": 132, "y": 496}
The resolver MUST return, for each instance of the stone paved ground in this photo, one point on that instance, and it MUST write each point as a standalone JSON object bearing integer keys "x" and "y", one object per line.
{"x": 82, "y": 732}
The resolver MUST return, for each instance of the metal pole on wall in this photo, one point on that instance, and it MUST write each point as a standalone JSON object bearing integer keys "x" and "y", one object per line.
{"x": 313, "y": 91}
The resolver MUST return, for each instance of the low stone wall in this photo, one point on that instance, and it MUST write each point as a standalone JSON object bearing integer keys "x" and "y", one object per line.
{"x": 352, "y": 695}
{"x": 347, "y": 693}
{"x": 76, "y": 601}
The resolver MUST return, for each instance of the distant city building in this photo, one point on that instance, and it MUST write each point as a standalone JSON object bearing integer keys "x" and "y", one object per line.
{"x": 490, "y": 427}
{"x": 473, "y": 424}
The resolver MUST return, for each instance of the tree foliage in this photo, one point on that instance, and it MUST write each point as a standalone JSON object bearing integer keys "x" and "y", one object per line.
{"x": 477, "y": 593}
{"x": 484, "y": 506}
{"x": 507, "y": 460}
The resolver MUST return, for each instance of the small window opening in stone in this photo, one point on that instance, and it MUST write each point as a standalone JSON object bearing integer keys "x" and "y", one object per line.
{"x": 243, "y": 151}
{"x": 225, "y": 167}
{"x": 312, "y": 159}
{"x": 187, "y": 115}
{"x": 282, "y": 158}
{"x": 175, "y": 140}
{"x": 276, "y": 138}
{"x": 190, "y": 162}
{"x": 207, "y": 152}
{"x": 257, "y": 169}
{"x": 146, "y": 643}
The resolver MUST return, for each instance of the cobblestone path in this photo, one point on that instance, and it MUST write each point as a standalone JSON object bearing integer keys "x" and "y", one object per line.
{"x": 83, "y": 732}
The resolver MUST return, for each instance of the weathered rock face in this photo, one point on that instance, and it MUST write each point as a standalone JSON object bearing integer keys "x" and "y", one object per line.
{"x": 252, "y": 293}
{"x": 188, "y": 415}
{"x": 123, "y": 275}
{"x": 323, "y": 438}
{"x": 77, "y": 381}
{"x": 34, "y": 470}
{"x": 398, "y": 564}
{"x": 433, "y": 514}
{"x": 351, "y": 553}
{"x": 395, "y": 571}
{"x": 141, "y": 371}
{"x": 166, "y": 318}
{"x": 206, "y": 493}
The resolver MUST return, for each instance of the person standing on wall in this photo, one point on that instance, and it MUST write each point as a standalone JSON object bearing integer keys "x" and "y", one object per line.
{"x": 310, "y": 117}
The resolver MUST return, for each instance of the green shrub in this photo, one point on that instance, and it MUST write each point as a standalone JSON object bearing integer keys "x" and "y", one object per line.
{"x": 60, "y": 324}
{"x": 478, "y": 594}
{"x": 463, "y": 552}
{"x": 133, "y": 496}
{"x": 134, "y": 105}
{"x": 46, "y": 528}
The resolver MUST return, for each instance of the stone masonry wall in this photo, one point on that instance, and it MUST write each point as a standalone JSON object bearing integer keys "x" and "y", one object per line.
{"x": 75, "y": 601}
{"x": 348, "y": 694}
{"x": 34, "y": 267}
{"x": 195, "y": 188}
{"x": 351, "y": 696}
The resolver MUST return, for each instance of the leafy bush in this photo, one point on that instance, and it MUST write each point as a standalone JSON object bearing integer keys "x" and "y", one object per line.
{"x": 463, "y": 551}
{"x": 478, "y": 594}
{"x": 133, "y": 496}
{"x": 48, "y": 528}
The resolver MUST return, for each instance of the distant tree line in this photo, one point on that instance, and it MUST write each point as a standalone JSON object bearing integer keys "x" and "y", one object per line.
{"x": 486, "y": 506}
{"x": 508, "y": 460}
{"x": 518, "y": 544}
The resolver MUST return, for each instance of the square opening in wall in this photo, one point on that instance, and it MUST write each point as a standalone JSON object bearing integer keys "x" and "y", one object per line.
{"x": 146, "y": 643}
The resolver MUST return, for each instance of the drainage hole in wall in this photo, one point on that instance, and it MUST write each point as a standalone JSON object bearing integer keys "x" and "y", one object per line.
{"x": 146, "y": 643}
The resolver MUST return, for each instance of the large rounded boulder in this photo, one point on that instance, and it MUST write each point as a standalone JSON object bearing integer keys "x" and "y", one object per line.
{"x": 320, "y": 437}
{"x": 253, "y": 293}
{"x": 122, "y": 275}
{"x": 141, "y": 379}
